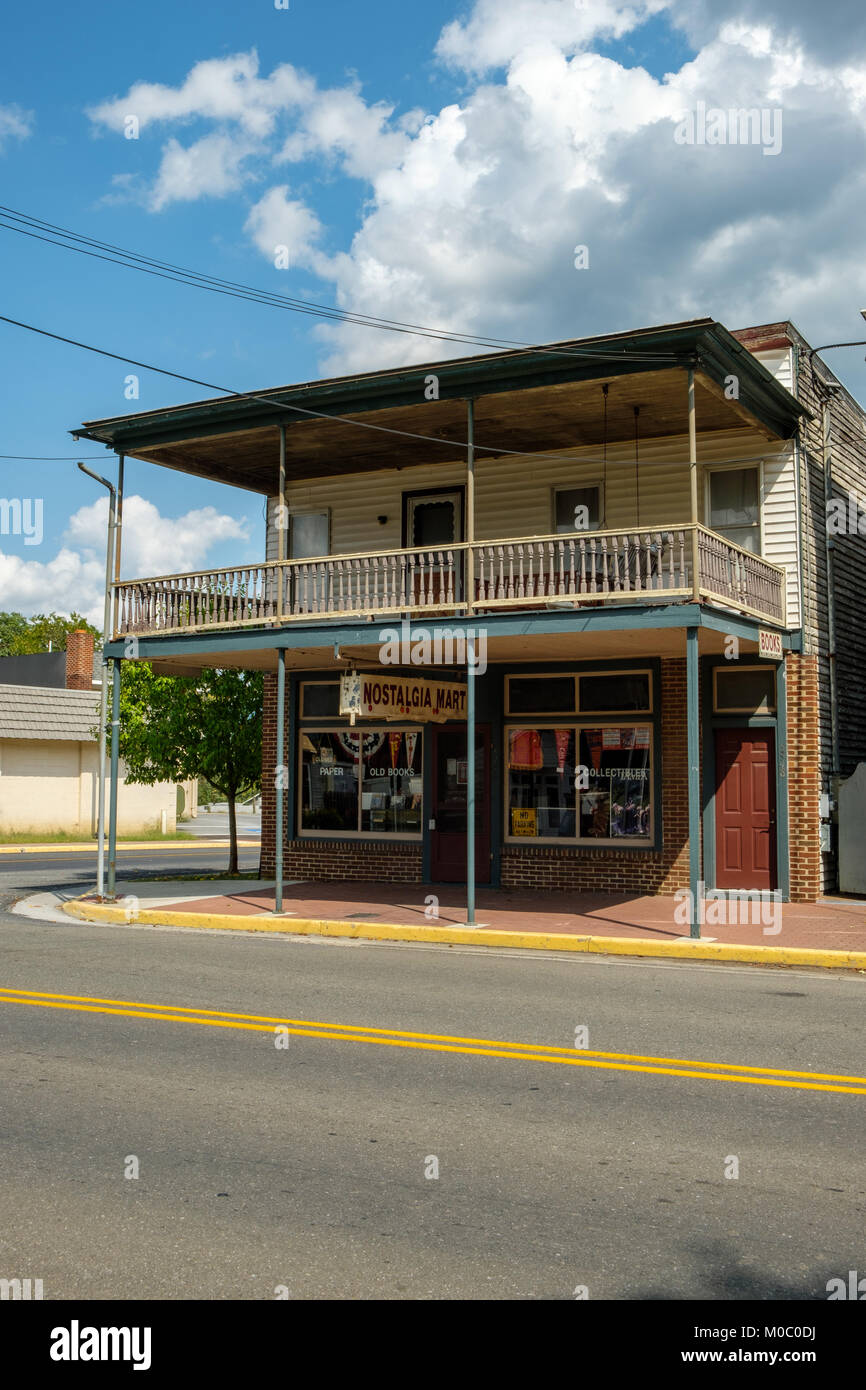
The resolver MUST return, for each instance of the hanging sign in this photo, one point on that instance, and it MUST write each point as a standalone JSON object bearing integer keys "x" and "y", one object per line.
{"x": 770, "y": 644}
{"x": 373, "y": 697}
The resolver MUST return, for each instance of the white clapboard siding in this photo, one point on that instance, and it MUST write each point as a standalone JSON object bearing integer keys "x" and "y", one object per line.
{"x": 780, "y": 492}
{"x": 514, "y": 496}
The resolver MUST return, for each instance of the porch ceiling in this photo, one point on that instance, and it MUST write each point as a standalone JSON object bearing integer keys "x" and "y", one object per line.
{"x": 637, "y": 643}
{"x": 554, "y": 417}
{"x": 526, "y": 401}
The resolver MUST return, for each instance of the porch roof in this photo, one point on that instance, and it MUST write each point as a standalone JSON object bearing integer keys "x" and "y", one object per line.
{"x": 527, "y": 400}
{"x": 550, "y": 636}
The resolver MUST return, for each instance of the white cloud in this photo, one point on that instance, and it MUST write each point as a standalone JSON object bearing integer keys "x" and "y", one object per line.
{"x": 68, "y": 581}
{"x": 277, "y": 220}
{"x": 15, "y": 124}
{"x": 220, "y": 89}
{"x": 211, "y": 167}
{"x": 152, "y": 545}
{"x": 469, "y": 217}
{"x": 498, "y": 31}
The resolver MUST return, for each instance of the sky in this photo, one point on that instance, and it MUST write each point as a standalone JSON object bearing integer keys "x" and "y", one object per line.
{"x": 437, "y": 163}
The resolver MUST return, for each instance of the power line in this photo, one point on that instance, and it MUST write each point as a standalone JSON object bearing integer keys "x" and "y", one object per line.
{"x": 35, "y": 228}
{"x": 52, "y": 458}
{"x": 493, "y": 449}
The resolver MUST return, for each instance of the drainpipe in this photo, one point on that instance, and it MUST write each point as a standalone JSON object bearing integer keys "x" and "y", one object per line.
{"x": 103, "y": 698}
{"x": 121, "y": 460}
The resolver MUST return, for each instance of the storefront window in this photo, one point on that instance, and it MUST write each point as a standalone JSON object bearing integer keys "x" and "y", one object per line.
{"x": 392, "y": 785}
{"x": 616, "y": 799}
{"x": 329, "y": 784}
{"x": 369, "y": 780}
{"x": 541, "y": 783}
{"x": 580, "y": 784}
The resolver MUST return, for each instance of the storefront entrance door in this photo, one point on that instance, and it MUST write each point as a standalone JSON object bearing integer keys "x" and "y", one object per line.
{"x": 745, "y": 809}
{"x": 448, "y": 838}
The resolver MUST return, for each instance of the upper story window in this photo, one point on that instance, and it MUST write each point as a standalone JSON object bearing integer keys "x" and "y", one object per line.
{"x": 734, "y": 506}
{"x": 309, "y": 535}
{"x": 577, "y": 508}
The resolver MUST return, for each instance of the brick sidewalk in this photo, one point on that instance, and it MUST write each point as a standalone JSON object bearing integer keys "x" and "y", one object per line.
{"x": 831, "y": 924}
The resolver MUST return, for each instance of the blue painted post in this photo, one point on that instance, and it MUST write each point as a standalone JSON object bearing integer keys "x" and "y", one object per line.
{"x": 693, "y": 723}
{"x": 470, "y": 664}
{"x": 280, "y": 776}
{"x": 115, "y": 764}
{"x": 470, "y": 783}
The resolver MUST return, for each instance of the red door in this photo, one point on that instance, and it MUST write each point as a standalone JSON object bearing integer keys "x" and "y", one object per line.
{"x": 745, "y": 809}
{"x": 448, "y": 838}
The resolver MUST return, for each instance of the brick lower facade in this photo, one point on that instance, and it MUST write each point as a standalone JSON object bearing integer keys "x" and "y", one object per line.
{"x": 804, "y": 778}
{"x": 608, "y": 870}
{"x": 338, "y": 861}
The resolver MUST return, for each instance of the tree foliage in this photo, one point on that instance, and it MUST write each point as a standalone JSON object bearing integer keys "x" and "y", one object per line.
{"x": 175, "y": 727}
{"x": 20, "y": 636}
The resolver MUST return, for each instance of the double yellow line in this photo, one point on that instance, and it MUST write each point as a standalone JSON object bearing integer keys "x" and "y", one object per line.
{"x": 444, "y": 1042}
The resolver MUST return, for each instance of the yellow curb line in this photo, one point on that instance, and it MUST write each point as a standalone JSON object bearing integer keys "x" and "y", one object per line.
{"x": 189, "y": 843}
{"x": 469, "y": 936}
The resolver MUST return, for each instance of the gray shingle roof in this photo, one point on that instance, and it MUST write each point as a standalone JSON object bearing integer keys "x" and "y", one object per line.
{"x": 35, "y": 711}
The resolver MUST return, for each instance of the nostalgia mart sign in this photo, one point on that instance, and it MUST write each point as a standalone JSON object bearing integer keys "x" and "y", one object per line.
{"x": 372, "y": 697}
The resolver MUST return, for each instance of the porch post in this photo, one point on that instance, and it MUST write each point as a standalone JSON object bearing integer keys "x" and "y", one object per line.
{"x": 470, "y": 781}
{"x": 469, "y": 572}
{"x": 121, "y": 459}
{"x": 280, "y": 779}
{"x": 693, "y": 725}
{"x": 115, "y": 760}
{"x": 282, "y": 529}
{"x": 469, "y": 520}
{"x": 693, "y": 485}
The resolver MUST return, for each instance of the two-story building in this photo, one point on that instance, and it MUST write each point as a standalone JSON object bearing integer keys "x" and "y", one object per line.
{"x": 602, "y": 563}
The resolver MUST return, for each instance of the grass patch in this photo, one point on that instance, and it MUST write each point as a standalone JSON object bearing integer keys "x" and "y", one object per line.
{"x": 66, "y": 837}
{"x": 202, "y": 878}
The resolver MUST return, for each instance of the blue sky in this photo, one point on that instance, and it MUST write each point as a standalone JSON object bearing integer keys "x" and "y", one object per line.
{"x": 434, "y": 162}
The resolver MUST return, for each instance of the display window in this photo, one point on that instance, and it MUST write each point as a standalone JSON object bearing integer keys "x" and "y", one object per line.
{"x": 583, "y": 783}
{"x": 364, "y": 782}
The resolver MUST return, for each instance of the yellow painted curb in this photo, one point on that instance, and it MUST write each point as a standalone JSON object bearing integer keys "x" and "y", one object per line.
{"x": 190, "y": 843}
{"x": 472, "y": 936}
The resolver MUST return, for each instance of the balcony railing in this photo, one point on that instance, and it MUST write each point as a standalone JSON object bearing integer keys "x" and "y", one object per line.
{"x": 520, "y": 573}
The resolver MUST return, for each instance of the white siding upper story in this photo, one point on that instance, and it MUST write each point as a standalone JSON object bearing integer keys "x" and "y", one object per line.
{"x": 514, "y": 497}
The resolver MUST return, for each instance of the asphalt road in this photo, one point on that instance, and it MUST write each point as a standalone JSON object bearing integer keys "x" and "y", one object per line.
{"x": 306, "y": 1166}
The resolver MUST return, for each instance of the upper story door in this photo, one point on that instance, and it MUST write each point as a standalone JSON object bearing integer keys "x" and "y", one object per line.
{"x": 433, "y": 522}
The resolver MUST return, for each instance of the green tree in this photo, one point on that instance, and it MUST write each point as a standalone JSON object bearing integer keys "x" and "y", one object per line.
{"x": 20, "y": 636}
{"x": 12, "y": 627}
{"x": 210, "y": 725}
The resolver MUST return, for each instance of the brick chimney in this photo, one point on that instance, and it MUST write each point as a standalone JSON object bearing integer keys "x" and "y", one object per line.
{"x": 79, "y": 660}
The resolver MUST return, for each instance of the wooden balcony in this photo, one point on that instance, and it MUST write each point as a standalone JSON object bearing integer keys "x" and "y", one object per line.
{"x": 589, "y": 568}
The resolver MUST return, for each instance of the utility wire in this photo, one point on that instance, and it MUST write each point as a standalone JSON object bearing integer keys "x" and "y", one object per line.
{"x": 252, "y": 396}
{"x": 36, "y": 228}
{"x": 52, "y": 458}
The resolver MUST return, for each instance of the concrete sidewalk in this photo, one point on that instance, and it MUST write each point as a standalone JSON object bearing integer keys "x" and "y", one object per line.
{"x": 834, "y": 929}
